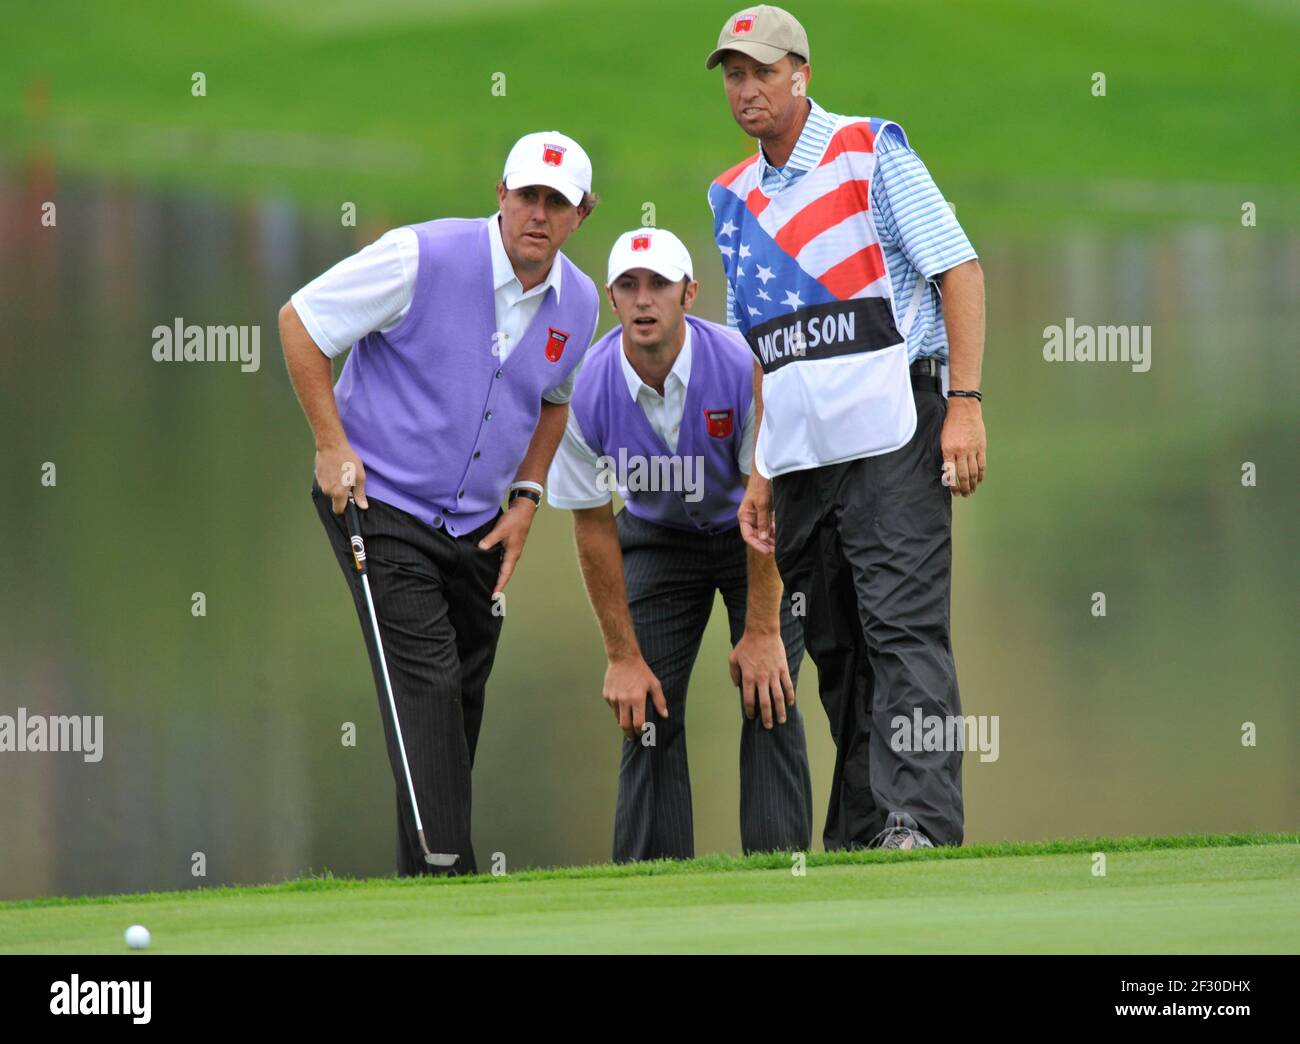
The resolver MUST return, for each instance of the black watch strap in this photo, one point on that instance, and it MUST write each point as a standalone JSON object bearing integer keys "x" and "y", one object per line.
{"x": 531, "y": 494}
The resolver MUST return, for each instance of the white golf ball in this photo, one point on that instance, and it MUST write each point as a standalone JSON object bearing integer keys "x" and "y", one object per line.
{"x": 137, "y": 937}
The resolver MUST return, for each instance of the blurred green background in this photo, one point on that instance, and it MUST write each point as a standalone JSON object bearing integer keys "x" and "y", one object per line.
{"x": 222, "y": 733}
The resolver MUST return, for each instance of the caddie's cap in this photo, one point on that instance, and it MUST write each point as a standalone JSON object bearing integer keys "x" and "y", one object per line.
{"x": 765, "y": 33}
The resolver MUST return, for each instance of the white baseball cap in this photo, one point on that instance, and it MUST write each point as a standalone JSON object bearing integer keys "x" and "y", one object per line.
{"x": 654, "y": 248}
{"x": 552, "y": 159}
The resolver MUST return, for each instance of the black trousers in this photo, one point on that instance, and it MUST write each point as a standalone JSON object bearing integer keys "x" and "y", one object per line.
{"x": 672, "y": 578}
{"x": 433, "y": 599}
{"x": 868, "y": 542}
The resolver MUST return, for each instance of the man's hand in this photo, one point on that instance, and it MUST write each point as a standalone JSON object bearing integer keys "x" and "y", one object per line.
{"x": 757, "y": 524}
{"x": 511, "y": 531}
{"x": 963, "y": 443}
{"x": 338, "y": 471}
{"x": 759, "y": 668}
{"x": 627, "y": 682}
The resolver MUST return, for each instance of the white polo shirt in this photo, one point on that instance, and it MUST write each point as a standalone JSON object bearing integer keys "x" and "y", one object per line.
{"x": 572, "y": 482}
{"x": 372, "y": 290}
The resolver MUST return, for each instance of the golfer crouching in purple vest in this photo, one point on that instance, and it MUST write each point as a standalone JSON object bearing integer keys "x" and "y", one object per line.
{"x": 663, "y": 412}
{"x": 466, "y": 335}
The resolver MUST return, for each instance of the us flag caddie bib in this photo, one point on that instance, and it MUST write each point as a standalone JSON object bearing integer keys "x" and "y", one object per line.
{"x": 814, "y": 301}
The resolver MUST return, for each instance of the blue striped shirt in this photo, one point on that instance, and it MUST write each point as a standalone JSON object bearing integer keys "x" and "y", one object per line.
{"x": 918, "y": 231}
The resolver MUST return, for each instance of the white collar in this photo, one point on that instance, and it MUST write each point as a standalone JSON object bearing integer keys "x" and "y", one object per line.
{"x": 503, "y": 271}
{"x": 681, "y": 367}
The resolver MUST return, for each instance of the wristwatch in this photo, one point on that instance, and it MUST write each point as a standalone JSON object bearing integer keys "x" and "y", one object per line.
{"x": 531, "y": 490}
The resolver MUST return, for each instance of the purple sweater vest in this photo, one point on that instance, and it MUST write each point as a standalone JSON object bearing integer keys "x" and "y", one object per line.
{"x": 440, "y": 423}
{"x": 718, "y": 395}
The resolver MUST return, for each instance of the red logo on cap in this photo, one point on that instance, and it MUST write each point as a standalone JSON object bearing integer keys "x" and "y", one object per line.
{"x": 640, "y": 242}
{"x": 742, "y": 24}
{"x": 555, "y": 342}
{"x": 552, "y": 155}
{"x": 719, "y": 422}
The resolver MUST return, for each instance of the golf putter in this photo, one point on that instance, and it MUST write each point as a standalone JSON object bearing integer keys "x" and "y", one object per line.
{"x": 359, "y": 555}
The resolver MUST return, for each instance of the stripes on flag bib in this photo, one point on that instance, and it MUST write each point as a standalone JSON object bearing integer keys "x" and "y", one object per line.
{"x": 814, "y": 301}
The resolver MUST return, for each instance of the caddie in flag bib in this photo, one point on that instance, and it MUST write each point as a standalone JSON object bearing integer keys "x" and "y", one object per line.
{"x": 837, "y": 244}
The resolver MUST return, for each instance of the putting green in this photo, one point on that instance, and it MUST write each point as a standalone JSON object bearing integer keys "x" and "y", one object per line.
{"x": 1183, "y": 895}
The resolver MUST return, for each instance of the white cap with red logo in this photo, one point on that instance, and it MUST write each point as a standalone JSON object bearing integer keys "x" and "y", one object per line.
{"x": 552, "y": 159}
{"x": 654, "y": 248}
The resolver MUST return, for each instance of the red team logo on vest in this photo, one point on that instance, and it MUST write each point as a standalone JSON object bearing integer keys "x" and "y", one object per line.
{"x": 552, "y": 155}
{"x": 640, "y": 242}
{"x": 743, "y": 24}
{"x": 719, "y": 422}
{"x": 555, "y": 343}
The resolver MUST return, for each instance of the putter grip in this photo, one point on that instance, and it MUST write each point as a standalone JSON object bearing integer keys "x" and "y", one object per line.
{"x": 354, "y": 534}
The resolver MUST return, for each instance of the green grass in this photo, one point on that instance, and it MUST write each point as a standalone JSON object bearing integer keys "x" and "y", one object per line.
{"x": 390, "y": 105}
{"x": 1202, "y": 893}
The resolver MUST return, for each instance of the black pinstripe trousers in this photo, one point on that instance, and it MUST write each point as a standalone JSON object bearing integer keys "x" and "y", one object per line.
{"x": 672, "y": 578}
{"x": 433, "y": 599}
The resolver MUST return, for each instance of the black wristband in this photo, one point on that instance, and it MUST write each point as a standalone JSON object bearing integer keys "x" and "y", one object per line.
{"x": 962, "y": 394}
{"x": 531, "y": 494}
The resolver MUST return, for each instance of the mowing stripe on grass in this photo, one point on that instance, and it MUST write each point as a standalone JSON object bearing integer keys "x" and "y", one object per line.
{"x": 703, "y": 865}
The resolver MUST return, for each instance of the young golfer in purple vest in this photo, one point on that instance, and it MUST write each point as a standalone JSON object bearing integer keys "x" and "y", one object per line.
{"x": 663, "y": 413}
{"x": 465, "y": 335}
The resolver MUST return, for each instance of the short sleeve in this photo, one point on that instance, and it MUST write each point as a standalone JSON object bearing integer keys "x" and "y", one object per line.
{"x": 562, "y": 393}
{"x": 911, "y": 212}
{"x": 573, "y": 480}
{"x": 369, "y": 291}
{"x": 745, "y": 459}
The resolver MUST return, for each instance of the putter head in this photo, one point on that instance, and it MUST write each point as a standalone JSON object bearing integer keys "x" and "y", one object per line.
{"x": 436, "y": 858}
